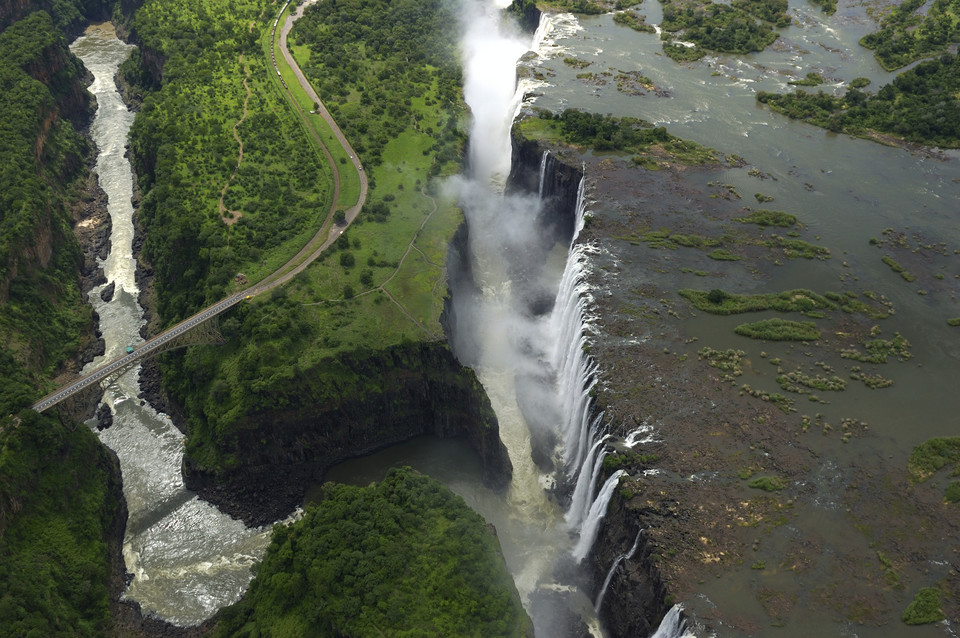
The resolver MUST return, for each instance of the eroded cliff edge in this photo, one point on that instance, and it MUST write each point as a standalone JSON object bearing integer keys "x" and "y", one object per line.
{"x": 726, "y": 488}
{"x": 374, "y": 399}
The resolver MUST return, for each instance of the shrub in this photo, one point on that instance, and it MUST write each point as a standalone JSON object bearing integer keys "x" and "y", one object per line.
{"x": 767, "y": 483}
{"x": 779, "y": 330}
{"x": 924, "y": 608}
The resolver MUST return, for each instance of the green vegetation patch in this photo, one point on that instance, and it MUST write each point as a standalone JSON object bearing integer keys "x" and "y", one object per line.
{"x": 726, "y": 28}
{"x": 953, "y": 321}
{"x": 402, "y": 557}
{"x": 58, "y": 503}
{"x": 607, "y": 133}
{"x": 924, "y": 608}
{"x": 797, "y": 248}
{"x": 879, "y": 350}
{"x": 667, "y": 240}
{"x": 828, "y": 6}
{"x": 811, "y": 79}
{"x": 767, "y": 483}
{"x": 722, "y": 254}
{"x": 627, "y": 461}
{"x": 918, "y": 106}
{"x": 764, "y": 218}
{"x": 632, "y": 20}
{"x": 933, "y": 455}
{"x": 801, "y": 383}
{"x": 720, "y": 302}
{"x": 729, "y": 361}
{"x": 907, "y": 35}
{"x": 779, "y": 330}
{"x": 897, "y": 268}
{"x": 42, "y": 177}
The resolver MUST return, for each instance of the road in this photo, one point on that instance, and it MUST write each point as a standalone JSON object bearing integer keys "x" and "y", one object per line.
{"x": 313, "y": 248}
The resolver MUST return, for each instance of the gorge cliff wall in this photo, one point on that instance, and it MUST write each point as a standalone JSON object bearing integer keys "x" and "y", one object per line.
{"x": 382, "y": 398}
{"x": 636, "y": 598}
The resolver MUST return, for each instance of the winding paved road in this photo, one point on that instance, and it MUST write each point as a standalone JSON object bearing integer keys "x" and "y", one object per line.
{"x": 313, "y": 249}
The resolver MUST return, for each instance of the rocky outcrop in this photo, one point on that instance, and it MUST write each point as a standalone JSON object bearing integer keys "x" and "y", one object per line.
{"x": 387, "y": 397}
{"x": 636, "y": 598}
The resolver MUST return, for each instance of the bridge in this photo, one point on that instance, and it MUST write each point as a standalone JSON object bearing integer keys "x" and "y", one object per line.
{"x": 313, "y": 248}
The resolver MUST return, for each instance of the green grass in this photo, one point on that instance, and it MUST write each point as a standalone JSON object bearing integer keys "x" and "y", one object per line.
{"x": 879, "y": 350}
{"x": 767, "y": 483}
{"x": 953, "y": 321}
{"x": 924, "y": 608}
{"x": 779, "y": 330}
{"x": 897, "y": 268}
{"x": 723, "y": 303}
{"x": 764, "y": 218}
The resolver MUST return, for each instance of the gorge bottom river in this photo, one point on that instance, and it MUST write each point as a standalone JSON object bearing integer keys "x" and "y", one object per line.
{"x": 187, "y": 559}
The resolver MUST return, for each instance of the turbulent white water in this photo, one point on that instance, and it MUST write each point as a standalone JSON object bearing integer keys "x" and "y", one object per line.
{"x": 188, "y": 559}
{"x": 513, "y": 348}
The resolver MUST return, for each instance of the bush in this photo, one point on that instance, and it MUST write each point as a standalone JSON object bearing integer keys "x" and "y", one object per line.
{"x": 347, "y": 260}
{"x": 924, "y": 608}
{"x": 767, "y": 483}
{"x": 779, "y": 330}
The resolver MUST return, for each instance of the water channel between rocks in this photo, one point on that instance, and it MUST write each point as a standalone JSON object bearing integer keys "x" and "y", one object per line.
{"x": 187, "y": 559}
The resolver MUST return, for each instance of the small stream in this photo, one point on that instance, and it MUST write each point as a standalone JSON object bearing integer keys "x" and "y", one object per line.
{"x": 187, "y": 558}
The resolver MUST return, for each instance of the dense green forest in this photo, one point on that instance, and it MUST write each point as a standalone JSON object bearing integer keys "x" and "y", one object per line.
{"x": 920, "y": 105}
{"x": 59, "y": 489}
{"x": 648, "y": 143}
{"x": 59, "y": 500}
{"x": 404, "y": 557}
{"x": 372, "y": 60}
{"x": 42, "y": 177}
{"x": 184, "y": 153}
{"x": 743, "y": 26}
{"x": 908, "y": 34}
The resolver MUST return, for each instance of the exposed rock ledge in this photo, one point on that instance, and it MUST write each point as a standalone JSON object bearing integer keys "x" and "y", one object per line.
{"x": 401, "y": 392}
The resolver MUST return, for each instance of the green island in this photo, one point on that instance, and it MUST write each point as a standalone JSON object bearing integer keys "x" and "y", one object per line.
{"x": 401, "y": 557}
{"x": 907, "y": 33}
{"x": 743, "y": 26}
{"x": 918, "y": 106}
{"x": 648, "y": 144}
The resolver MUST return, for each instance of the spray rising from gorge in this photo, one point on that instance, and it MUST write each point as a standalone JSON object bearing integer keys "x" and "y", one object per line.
{"x": 519, "y": 308}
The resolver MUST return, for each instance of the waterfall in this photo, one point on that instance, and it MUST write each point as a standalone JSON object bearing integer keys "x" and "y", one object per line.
{"x": 613, "y": 568}
{"x": 546, "y": 165}
{"x": 591, "y": 525}
{"x": 586, "y": 483}
{"x": 673, "y": 625}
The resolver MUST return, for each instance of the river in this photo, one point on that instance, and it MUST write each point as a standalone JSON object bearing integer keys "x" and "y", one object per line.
{"x": 187, "y": 559}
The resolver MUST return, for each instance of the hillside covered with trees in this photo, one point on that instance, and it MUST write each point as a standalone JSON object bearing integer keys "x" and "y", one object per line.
{"x": 401, "y": 557}
{"x": 60, "y": 500}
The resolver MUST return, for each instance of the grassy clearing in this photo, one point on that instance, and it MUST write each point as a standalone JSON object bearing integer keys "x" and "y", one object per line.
{"x": 719, "y": 302}
{"x": 779, "y": 330}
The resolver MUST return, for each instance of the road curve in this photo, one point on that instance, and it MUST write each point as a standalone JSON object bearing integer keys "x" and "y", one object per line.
{"x": 285, "y": 273}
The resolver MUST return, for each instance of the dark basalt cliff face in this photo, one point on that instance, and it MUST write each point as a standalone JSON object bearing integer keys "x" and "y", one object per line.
{"x": 636, "y": 598}
{"x": 387, "y": 397}
{"x": 558, "y": 190}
